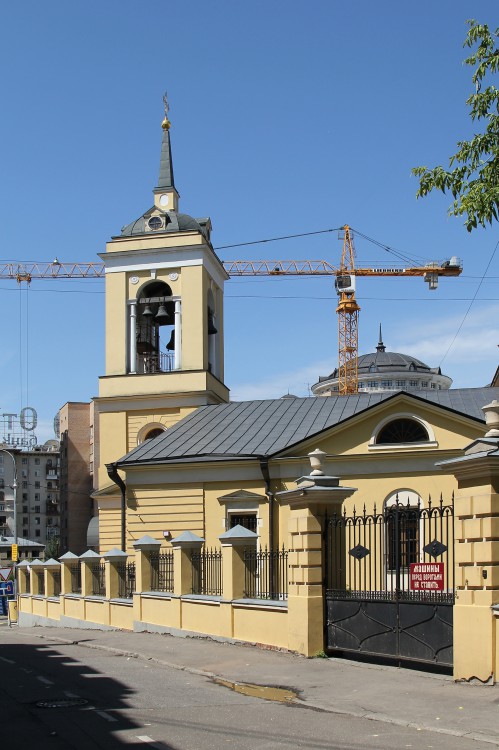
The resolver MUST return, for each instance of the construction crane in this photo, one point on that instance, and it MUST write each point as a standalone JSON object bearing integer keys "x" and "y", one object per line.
{"x": 345, "y": 275}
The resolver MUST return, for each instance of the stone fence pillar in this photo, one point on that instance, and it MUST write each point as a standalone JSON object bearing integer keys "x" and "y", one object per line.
{"x": 476, "y": 509}
{"x": 23, "y": 579}
{"x": 183, "y": 547}
{"x": 68, "y": 561}
{"x": 234, "y": 542}
{"x": 87, "y": 560}
{"x": 52, "y": 567}
{"x": 37, "y": 583}
{"x": 143, "y": 548}
{"x": 112, "y": 559}
{"x": 315, "y": 495}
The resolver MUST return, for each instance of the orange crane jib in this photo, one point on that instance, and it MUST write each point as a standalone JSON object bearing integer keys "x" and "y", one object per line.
{"x": 347, "y": 310}
{"x": 27, "y": 271}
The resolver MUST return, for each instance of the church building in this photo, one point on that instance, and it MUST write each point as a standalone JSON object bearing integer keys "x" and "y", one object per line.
{"x": 175, "y": 455}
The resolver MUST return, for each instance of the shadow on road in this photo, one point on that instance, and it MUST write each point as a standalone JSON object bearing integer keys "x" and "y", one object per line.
{"x": 50, "y": 700}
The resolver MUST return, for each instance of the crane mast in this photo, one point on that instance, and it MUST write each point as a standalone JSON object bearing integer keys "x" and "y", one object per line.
{"x": 348, "y": 318}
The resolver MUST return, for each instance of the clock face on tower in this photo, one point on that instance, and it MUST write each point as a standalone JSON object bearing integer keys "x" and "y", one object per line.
{"x": 164, "y": 200}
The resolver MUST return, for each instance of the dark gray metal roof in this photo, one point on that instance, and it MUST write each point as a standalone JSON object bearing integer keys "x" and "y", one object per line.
{"x": 175, "y": 222}
{"x": 165, "y": 163}
{"x": 382, "y": 361}
{"x": 386, "y": 362}
{"x": 262, "y": 428}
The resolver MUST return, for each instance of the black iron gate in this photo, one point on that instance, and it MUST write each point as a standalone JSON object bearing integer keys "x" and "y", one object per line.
{"x": 390, "y": 583}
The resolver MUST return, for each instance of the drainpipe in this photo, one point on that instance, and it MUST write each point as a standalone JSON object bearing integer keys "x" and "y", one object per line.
{"x": 264, "y": 467}
{"x": 112, "y": 472}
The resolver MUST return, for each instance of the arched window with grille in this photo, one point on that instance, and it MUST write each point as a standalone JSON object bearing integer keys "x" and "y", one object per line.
{"x": 402, "y": 430}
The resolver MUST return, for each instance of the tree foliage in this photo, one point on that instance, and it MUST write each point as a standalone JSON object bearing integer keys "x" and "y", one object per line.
{"x": 52, "y": 548}
{"x": 473, "y": 175}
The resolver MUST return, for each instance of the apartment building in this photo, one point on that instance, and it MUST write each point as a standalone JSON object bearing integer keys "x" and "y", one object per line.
{"x": 31, "y": 477}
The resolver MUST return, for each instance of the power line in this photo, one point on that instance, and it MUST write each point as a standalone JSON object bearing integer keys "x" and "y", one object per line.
{"x": 387, "y": 248}
{"x": 471, "y": 303}
{"x": 378, "y": 299}
{"x": 277, "y": 239}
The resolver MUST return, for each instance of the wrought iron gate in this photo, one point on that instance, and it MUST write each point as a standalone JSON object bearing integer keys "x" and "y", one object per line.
{"x": 390, "y": 583}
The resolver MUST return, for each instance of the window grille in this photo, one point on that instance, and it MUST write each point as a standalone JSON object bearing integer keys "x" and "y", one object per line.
{"x": 402, "y": 431}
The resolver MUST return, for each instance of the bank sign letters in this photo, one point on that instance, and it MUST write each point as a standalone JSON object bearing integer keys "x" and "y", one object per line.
{"x": 18, "y": 430}
{"x": 426, "y": 576}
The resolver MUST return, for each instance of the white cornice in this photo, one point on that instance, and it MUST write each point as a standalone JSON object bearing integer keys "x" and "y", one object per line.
{"x": 127, "y": 261}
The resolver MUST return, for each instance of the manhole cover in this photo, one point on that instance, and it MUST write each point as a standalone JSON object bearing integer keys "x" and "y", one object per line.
{"x": 62, "y": 703}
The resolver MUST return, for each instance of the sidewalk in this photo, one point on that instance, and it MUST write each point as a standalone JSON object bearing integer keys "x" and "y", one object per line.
{"x": 397, "y": 696}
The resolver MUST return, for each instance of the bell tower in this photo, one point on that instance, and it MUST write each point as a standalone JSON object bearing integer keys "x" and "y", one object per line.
{"x": 164, "y": 322}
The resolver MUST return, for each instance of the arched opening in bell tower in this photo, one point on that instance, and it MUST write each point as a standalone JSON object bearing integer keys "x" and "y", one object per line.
{"x": 213, "y": 338}
{"x": 155, "y": 329}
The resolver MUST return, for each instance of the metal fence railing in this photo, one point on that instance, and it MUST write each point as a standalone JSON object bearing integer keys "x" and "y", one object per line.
{"x": 126, "y": 580}
{"x": 76, "y": 578}
{"x": 57, "y": 582}
{"x": 41, "y": 582}
{"x": 266, "y": 575}
{"x": 207, "y": 572}
{"x": 98, "y": 571}
{"x": 161, "y": 571}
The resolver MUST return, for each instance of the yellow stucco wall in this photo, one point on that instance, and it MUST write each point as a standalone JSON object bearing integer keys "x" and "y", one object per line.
{"x": 121, "y": 616}
{"x": 256, "y": 625}
{"x": 74, "y": 607}
{"x": 109, "y": 524}
{"x": 97, "y": 611}
{"x": 153, "y": 510}
{"x": 249, "y": 623}
{"x": 138, "y": 419}
{"x": 160, "y": 611}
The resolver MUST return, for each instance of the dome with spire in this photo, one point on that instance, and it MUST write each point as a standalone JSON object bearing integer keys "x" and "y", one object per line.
{"x": 155, "y": 222}
{"x": 164, "y": 215}
{"x": 387, "y": 371}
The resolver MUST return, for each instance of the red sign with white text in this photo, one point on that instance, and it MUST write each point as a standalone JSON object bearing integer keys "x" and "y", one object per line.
{"x": 426, "y": 576}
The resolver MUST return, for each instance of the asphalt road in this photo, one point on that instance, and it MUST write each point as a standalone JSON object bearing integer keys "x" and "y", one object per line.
{"x": 133, "y": 702}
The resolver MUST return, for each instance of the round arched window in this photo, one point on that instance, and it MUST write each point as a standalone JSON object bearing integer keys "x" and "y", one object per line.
{"x": 402, "y": 431}
{"x": 153, "y": 433}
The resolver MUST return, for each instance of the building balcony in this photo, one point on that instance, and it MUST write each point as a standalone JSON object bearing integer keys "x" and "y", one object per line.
{"x": 52, "y": 509}
{"x": 52, "y": 474}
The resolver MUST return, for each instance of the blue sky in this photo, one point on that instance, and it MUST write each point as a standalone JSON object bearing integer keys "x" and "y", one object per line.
{"x": 286, "y": 118}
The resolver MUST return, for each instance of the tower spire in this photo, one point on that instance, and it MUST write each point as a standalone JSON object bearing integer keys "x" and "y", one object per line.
{"x": 381, "y": 347}
{"x": 165, "y": 193}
